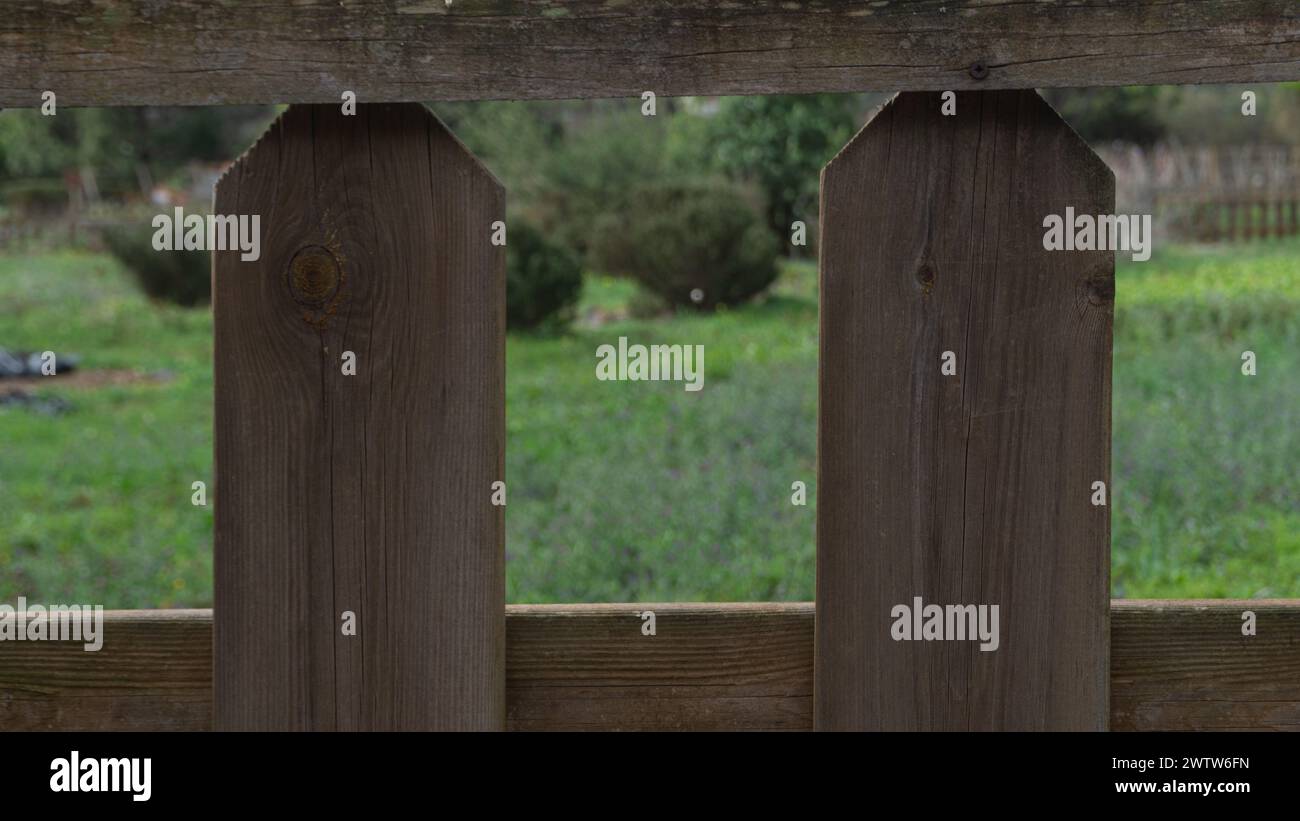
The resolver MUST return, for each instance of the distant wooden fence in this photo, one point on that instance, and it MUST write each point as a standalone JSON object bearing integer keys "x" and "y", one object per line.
{"x": 1210, "y": 193}
{"x": 20, "y": 231}
{"x": 964, "y": 391}
{"x": 71, "y": 228}
{"x": 1224, "y": 217}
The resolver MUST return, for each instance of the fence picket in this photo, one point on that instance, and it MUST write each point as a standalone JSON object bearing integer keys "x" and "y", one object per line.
{"x": 973, "y": 488}
{"x": 369, "y": 492}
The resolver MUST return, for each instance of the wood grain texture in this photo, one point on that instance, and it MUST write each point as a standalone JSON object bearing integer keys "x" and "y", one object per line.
{"x": 1186, "y": 664}
{"x": 1176, "y": 665}
{"x": 211, "y": 52}
{"x": 154, "y": 672}
{"x": 371, "y": 492}
{"x": 974, "y": 488}
{"x": 710, "y": 666}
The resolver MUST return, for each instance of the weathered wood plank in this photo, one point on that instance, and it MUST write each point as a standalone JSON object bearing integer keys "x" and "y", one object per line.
{"x": 209, "y": 52}
{"x": 970, "y": 488}
{"x": 153, "y": 672}
{"x": 743, "y": 667}
{"x": 1175, "y": 665}
{"x": 366, "y": 492}
{"x": 1186, "y": 664}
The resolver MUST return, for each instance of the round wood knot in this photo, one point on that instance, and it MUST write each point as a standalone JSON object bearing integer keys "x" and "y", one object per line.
{"x": 1101, "y": 289}
{"x": 314, "y": 276}
{"x": 925, "y": 277}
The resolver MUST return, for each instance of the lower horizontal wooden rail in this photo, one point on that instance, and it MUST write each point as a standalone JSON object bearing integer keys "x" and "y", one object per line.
{"x": 1175, "y": 665}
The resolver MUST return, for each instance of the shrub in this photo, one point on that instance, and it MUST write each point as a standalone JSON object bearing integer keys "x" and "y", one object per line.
{"x": 778, "y": 142}
{"x": 182, "y": 277}
{"x": 683, "y": 237}
{"x": 560, "y": 159}
{"x": 613, "y": 151}
{"x": 543, "y": 279}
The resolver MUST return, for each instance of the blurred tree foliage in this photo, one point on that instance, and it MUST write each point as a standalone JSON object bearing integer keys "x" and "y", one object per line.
{"x": 1191, "y": 115}
{"x": 182, "y": 277}
{"x": 1129, "y": 114}
{"x": 543, "y": 280}
{"x": 117, "y": 143}
{"x": 779, "y": 143}
{"x": 567, "y": 164}
{"x": 1211, "y": 115}
{"x": 694, "y": 243}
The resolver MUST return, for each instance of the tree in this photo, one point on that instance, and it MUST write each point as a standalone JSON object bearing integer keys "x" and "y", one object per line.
{"x": 780, "y": 143}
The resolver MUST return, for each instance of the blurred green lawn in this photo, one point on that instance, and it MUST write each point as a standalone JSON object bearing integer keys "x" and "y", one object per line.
{"x": 643, "y": 491}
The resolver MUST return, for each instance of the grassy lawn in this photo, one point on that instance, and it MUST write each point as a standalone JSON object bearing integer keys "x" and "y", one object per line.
{"x": 644, "y": 491}
{"x": 1206, "y": 461}
{"x": 95, "y": 503}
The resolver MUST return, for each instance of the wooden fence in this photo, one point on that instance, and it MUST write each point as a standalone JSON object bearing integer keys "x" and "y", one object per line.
{"x": 1226, "y": 217}
{"x": 1210, "y": 193}
{"x": 1173, "y": 666}
{"x": 964, "y": 411}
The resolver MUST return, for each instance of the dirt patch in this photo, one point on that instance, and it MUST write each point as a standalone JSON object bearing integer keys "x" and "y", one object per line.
{"x": 81, "y": 380}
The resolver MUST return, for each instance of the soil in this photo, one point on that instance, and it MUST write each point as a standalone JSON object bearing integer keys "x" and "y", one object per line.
{"x": 80, "y": 380}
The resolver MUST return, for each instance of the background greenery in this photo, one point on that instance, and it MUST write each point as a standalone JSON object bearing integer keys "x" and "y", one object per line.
{"x": 95, "y": 503}
{"x": 639, "y": 491}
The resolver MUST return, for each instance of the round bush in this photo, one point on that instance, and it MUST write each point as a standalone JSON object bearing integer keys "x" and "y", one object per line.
{"x": 543, "y": 279}
{"x": 182, "y": 277}
{"x": 695, "y": 244}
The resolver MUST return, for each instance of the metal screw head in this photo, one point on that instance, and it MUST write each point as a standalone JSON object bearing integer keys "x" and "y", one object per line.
{"x": 979, "y": 69}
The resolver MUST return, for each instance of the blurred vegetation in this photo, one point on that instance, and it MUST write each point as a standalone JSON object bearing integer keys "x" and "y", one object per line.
{"x": 697, "y": 244}
{"x": 1206, "y": 490}
{"x": 1104, "y": 114}
{"x": 95, "y": 502}
{"x": 543, "y": 279}
{"x": 562, "y": 159}
{"x": 647, "y": 492}
{"x": 1190, "y": 115}
{"x": 181, "y": 276}
{"x": 123, "y": 144}
{"x": 778, "y": 142}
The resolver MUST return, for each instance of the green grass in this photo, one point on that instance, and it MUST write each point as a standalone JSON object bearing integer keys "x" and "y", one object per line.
{"x": 627, "y": 491}
{"x": 1206, "y": 460}
{"x": 644, "y": 491}
{"x": 95, "y": 503}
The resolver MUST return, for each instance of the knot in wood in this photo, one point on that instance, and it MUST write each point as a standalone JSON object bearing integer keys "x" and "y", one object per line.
{"x": 314, "y": 276}
{"x": 1101, "y": 289}
{"x": 925, "y": 277}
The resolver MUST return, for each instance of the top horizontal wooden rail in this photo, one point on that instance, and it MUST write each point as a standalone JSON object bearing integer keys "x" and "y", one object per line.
{"x": 217, "y": 52}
